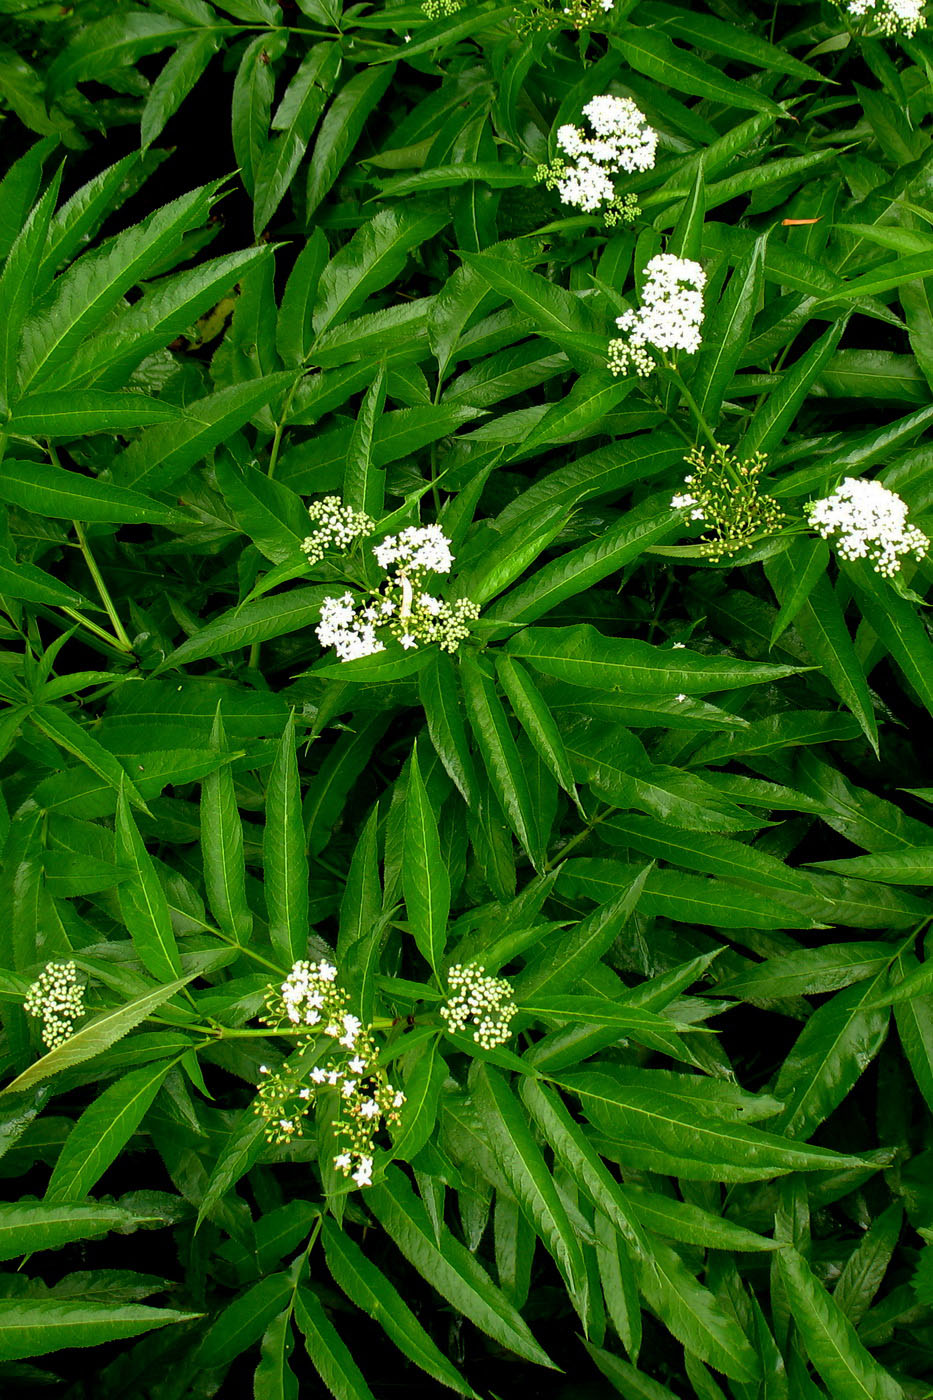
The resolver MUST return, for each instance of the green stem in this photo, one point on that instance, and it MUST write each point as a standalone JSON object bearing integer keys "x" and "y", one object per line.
{"x": 97, "y": 576}
{"x": 435, "y": 494}
{"x": 694, "y": 407}
{"x": 281, "y": 424}
{"x": 659, "y": 405}
{"x": 97, "y": 631}
{"x": 576, "y": 840}
{"x": 241, "y": 948}
{"x": 121, "y": 641}
{"x": 253, "y": 661}
{"x": 655, "y": 621}
{"x": 248, "y": 952}
{"x": 215, "y": 1033}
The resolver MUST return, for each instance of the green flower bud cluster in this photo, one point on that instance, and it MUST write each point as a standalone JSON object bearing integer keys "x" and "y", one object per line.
{"x": 484, "y": 1002}
{"x": 57, "y": 996}
{"x": 624, "y": 209}
{"x": 337, "y": 527}
{"x": 725, "y": 494}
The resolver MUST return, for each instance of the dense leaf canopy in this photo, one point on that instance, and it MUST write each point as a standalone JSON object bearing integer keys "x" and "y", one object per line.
{"x": 473, "y": 936}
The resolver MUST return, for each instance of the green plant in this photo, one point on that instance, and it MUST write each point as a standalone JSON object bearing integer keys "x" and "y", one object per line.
{"x": 465, "y": 809}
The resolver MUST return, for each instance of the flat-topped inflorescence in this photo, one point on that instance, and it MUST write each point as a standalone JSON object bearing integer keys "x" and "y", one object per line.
{"x": 669, "y": 317}
{"x": 893, "y": 17}
{"x": 622, "y": 142}
{"x": 864, "y": 520}
{"x": 418, "y": 549}
{"x": 311, "y": 1003}
{"x": 401, "y": 607}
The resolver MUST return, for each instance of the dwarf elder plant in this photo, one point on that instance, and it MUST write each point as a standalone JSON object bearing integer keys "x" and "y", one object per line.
{"x": 465, "y": 762}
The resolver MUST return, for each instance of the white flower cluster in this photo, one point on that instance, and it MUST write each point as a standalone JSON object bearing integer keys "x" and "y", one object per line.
{"x": 58, "y": 997}
{"x": 440, "y": 9}
{"x": 622, "y": 141}
{"x": 584, "y": 14}
{"x": 486, "y": 1002}
{"x": 337, "y": 527}
{"x": 418, "y": 548}
{"x": 346, "y": 631}
{"x": 669, "y": 317}
{"x": 311, "y": 1001}
{"x": 865, "y": 520}
{"x": 891, "y": 16}
{"x": 401, "y": 607}
{"x": 684, "y": 501}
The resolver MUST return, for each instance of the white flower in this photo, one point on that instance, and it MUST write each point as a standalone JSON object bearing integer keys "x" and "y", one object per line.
{"x": 669, "y": 317}
{"x": 631, "y": 141}
{"x": 571, "y": 140}
{"x": 892, "y": 16}
{"x": 363, "y": 1176}
{"x": 622, "y": 141}
{"x": 680, "y": 698}
{"x": 348, "y": 634}
{"x": 367, "y": 1099}
{"x": 419, "y": 547}
{"x": 410, "y": 616}
{"x": 865, "y": 520}
{"x": 585, "y": 186}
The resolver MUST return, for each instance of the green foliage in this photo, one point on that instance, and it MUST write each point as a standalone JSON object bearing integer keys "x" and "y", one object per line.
{"x": 669, "y": 789}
